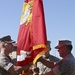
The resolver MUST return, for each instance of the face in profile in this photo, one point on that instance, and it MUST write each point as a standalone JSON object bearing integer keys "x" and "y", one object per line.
{"x": 62, "y": 51}
{"x": 9, "y": 47}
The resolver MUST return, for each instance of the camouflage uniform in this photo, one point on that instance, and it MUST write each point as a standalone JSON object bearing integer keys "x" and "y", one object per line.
{"x": 5, "y": 65}
{"x": 42, "y": 68}
{"x": 66, "y": 66}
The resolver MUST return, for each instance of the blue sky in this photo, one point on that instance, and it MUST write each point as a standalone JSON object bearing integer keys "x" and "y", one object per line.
{"x": 59, "y": 18}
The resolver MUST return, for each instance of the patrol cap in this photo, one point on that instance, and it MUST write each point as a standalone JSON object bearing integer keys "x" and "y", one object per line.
{"x": 7, "y": 39}
{"x": 48, "y": 42}
{"x": 48, "y": 45}
{"x": 62, "y": 43}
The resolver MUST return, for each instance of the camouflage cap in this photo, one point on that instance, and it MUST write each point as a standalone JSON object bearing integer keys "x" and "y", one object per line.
{"x": 62, "y": 43}
{"x": 7, "y": 39}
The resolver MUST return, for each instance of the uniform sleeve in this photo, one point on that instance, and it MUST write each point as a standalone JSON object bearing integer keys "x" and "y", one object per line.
{"x": 5, "y": 63}
{"x": 61, "y": 68}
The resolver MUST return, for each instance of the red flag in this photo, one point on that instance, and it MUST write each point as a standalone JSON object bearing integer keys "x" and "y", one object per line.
{"x": 32, "y": 37}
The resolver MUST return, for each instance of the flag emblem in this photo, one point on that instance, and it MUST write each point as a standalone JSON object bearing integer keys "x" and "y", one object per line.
{"x": 26, "y": 13}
